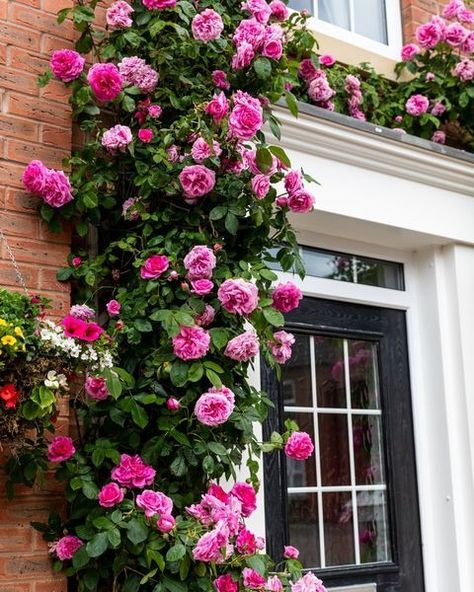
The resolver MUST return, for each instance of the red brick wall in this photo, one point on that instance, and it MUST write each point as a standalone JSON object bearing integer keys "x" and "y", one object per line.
{"x": 417, "y": 12}
{"x": 34, "y": 123}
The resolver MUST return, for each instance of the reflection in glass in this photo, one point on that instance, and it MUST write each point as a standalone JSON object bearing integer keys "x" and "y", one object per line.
{"x": 302, "y": 4}
{"x": 302, "y": 473}
{"x": 328, "y": 265}
{"x": 373, "y": 527}
{"x": 338, "y": 528}
{"x": 367, "y": 441}
{"x": 329, "y": 354}
{"x": 303, "y": 523}
{"x": 363, "y": 374}
{"x": 333, "y": 449}
{"x": 296, "y": 381}
{"x": 335, "y": 12}
{"x": 370, "y": 20}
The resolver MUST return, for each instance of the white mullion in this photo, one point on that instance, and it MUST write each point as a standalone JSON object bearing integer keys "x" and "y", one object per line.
{"x": 322, "y": 546}
{"x": 315, "y": 8}
{"x": 350, "y": 441}
{"x": 351, "y": 16}
{"x": 343, "y": 411}
{"x": 295, "y": 409}
{"x": 337, "y": 488}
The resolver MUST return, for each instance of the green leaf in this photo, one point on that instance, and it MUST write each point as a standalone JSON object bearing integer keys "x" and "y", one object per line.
{"x": 274, "y": 317}
{"x": 231, "y": 223}
{"x": 173, "y": 585}
{"x": 178, "y": 466}
{"x": 184, "y": 318}
{"x": 143, "y": 325}
{"x": 218, "y": 212}
{"x": 219, "y": 337}
{"x": 179, "y": 373}
{"x": 139, "y": 416}
{"x": 195, "y": 372}
{"x": 97, "y": 545}
{"x": 208, "y": 464}
{"x": 213, "y": 378}
{"x": 137, "y": 532}
{"x": 90, "y": 490}
{"x": 217, "y": 448}
{"x": 257, "y": 563}
{"x": 262, "y": 67}
{"x": 292, "y": 103}
{"x": 64, "y": 274}
{"x": 176, "y": 553}
{"x": 264, "y": 159}
{"x": 280, "y": 154}
{"x": 80, "y": 557}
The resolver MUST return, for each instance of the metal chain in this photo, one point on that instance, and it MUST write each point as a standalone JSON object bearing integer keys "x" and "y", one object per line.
{"x": 19, "y": 275}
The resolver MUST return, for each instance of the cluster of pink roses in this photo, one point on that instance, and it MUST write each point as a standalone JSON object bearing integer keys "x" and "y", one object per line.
{"x": 280, "y": 346}
{"x": 117, "y": 138}
{"x": 352, "y": 88}
{"x": 66, "y": 547}
{"x": 136, "y": 72}
{"x": 52, "y": 186}
{"x": 319, "y": 89}
{"x": 215, "y": 406}
{"x": 199, "y": 264}
{"x": 159, "y": 4}
{"x": 118, "y": 15}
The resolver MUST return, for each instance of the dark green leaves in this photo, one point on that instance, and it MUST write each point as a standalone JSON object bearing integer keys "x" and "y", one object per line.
{"x": 262, "y": 67}
{"x": 137, "y": 532}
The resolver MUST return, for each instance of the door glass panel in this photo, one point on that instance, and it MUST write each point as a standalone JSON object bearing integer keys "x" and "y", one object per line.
{"x": 303, "y": 522}
{"x": 373, "y": 527}
{"x": 330, "y": 380}
{"x": 297, "y": 379}
{"x": 363, "y": 375}
{"x": 367, "y": 442}
{"x": 302, "y": 473}
{"x": 338, "y": 529}
{"x": 333, "y": 449}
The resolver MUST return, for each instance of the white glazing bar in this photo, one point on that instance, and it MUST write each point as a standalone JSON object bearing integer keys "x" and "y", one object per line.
{"x": 343, "y": 411}
{"x": 295, "y": 409}
{"x": 315, "y": 13}
{"x": 337, "y": 488}
{"x": 322, "y": 547}
{"x": 352, "y": 15}
{"x": 350, "y": 438}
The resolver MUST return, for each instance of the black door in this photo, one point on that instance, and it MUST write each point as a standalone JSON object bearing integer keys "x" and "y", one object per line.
{"x": 352, "y": 508}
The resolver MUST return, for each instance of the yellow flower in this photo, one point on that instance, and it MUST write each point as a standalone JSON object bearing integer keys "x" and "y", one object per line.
{"x": 3, "y": 323}
{"x": 18, "y": 332}
{"x": 8, "y": 340}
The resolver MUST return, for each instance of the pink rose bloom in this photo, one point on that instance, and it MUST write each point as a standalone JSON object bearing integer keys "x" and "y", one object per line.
{"x": 455, "y": 34}
{"x": 173, "y": 404}
{"x": 260, "y": 186}
{"x": 307, "y": 70}
{"x": 465, "y": 16}
{"x": 117, "y": 138}
{"x": 209, "y": 546}
{"x": 206, "y": 317}
{"x": 260, "y": 10}
{"x": 290, "y": 552}
{"x": 66, "y": 547}
{"x": 286, "y": 297}
{"x": 200, "y": 262}
{"x": 246, "y": 118}
{"x": 60, "y": 449}
{"x": 293, "y": 181}
{"x": 280, "y": 346}
{"x": 273, "y": 49}
{"x": 245, "y": 493}
{"x": 166, "y": 523}
{"x": 110, "y": 495}
{"x": 197, "y": 180}
{"x": 438, "y": 109}
{"x": 429, "y": 35}
{"x": 154, "y": 502}
{"x": 468, "y": 45}
{"x": 154, "y": 267}
{"x": 213, "y": 409}
{"x": 328, "y": 60}
{"x": 173, "y": 153}
{"x": 34, "y": 177}
{"x": 202, "y": 287}
{"x": 155, "y": 111}
{"x": 301, "y": 202}
{"x": 464, "y": 70}
{"x": 76, "y": 261}
{"x": 319, "y": 90}
{"x": 105, "y": 81}
{"x": 243, "y": 57}
{"x": 159, "y": 4}
{"x": 113, "y": 307}
{"x": 417, "y": 105}
{"x": 225, "y": 583}
{"x": 92, "y": 332}
{"x": 246, "y": 543}
{"x": 191, "y": 343}
{"x": 429, "y": 77}
{"x": 273, "y": 584}
{"x": 439, "y": 137}
{"x": 279, "y": 10}
{"x": 219, "y": 78}
{"x": 118, "y": 15}
{"x": 67, "y": 64}
{"x": 133, "y": 472}
{"x": 207, "y": 25}
{"x": 299, "y": 446}
{"x": 451, "y": 9}
{"x": 250, "y": 31}
{"x": 225, "y": 392}
{"x": 308, "y": 583}
{"x": 218, "y": 107}
{"x": 145, "y": 135}
{"x": 409, "y": 51}
{"x": 238, "y": 296}
{"x": 201, "y": 150}
{"x": 252, "y": 579}
{"x": 243, "y": 347}
{"x": 57, "y": 190}
{"x": 96, "y": 388}
{"x": 137, "y": 72}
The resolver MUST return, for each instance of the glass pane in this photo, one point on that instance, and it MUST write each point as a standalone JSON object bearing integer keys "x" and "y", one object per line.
{"x": 368, "y": 457}
{"x": 370, "y": 20}
{"x": 328, "y": 265}
{"x": 303, "y": 523}
{"x": 301, "y": 4}
{"x": 302, "y": 473}
{"x": 330, "y": 382}
{"x": 374, "y": 536}
{"x": 338, "y": 528}
{"x": 363, "y": 375}
{"x": 333, "y": 449}
{"x": 384, "y": 274}
{"x": 335, "y": 12}
{"x": 296, "y": 382}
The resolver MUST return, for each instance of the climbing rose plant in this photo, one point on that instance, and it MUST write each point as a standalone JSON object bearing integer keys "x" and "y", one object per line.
{"x": 181, "y": 189}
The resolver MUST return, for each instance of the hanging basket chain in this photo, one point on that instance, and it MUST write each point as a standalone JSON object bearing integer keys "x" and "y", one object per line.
{"x": 19, "y": 275}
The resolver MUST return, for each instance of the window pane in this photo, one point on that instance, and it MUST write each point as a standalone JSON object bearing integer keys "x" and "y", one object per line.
{"x": 328, "y": 265}
{"x": 330, "y": 382}
{"x": 373, "y": 527}
{"x": 296, "y": 383}
{"x": 302, "y": 4}
{"x": 335, "y": 12}
{"x": 368, "y": 457}
{"x": 370, "y": 19}
{"x": 338, "y": 528}
{"x": 302, "y": 473}
{"x": 363, "y": 375}
{"x": 304, "y": 527}
{"x": 333, "y": 449}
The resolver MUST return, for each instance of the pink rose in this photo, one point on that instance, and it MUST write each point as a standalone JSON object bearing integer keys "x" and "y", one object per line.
{"x": 133, "y": 472}
{"x": 213, "y": 409}
{"x": 191, "y": 343}
{"x": 319, "y": 90}
{"x": 409, "y": 51}
{"x": 118, "y": 15}
{"x": 301, "y": 202}
{"x": 66, "y": 547}
{"x": 245, "y": 493}
{"x": 110, "y": 495}
{"x": 207, "y": 25}
{"x": 279, "y": 10}
{"x": 438, "y": 109}
{"x": 155, "y": 111}
{"x": 260, "y": 186}
{"x": 200, "y": 262}
{"x": 465, "y": 16}
{"x": 430, "y": 76}
{"x": 243, "y": 56}
{"x": 197, "y": 180}
{"x": 307, "y": 70}
{"x": 327, "y": 60}
{"x": 417, "y": 105}
{"x": 113, "y": 307}
{"x": 308, "y": 583}
{"x": 429, "y": 35}
{"x": 246, "y": 118}
{"x": 201, "y": 150}
{"x": 154, "y": 502}
{"x": 117, "y": 138}
{"x": 202, "y": 287}
{"x": 225, "y": 583}
{"x": 206, "y": 317}
{"x": 105, "y": 81}
{"x": 67, "y": 64}
{"x": 290, "y": 552}
{"x": 159, "y": 4}
{"x": 166, "y": 523}
{"x": 57, "y": 190}
{"x": 438, "y": 137}
{"x": 252, "y": 579}
{"x": 76, "y": 261}
{"x": 145, "y": 135}
{"x": 273, "y": 584}
{"x": 219, "y": 78}
{"x": 455, "y": 35}
{"x": 218, "y": 107}
{"x": 260, "y": 10}
{"x": 243, "y": 347}
{"x": 282, "y": 201}
{"x": 238, "y": 296}
{"x": 299, "y": 446}
{"x": 34, "y": 177}
{"x": 173, "y": 404}
{"x": 273, "y": 49}
{"x": 137, "y": 72}
{"x": 280, "y": 346}
{"x": 464, "y": 70}
{"x": 451, "y": 8}
{"x": 60, "y": 449}
{"x": 225, "y": 392}
{"x": 154, "y": 267}
{"x": 96, "y": 388}
{"x": 209, "y": 546}
{"x": 286, "y": 297}
{"x": 293, "y": 181}
{"x": 246, "y": 543}
{"x": 249, "y": 31}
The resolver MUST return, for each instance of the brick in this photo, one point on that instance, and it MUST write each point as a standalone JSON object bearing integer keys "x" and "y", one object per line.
{"x": 21, "y": 512}
{"x": 24, "y": 566}
{"x": 20, "y": 36}
{"x": 8, "y": 275}
{"x": 10, "y": 174}
{"x": 49, "y": 43}
{"x": 39, "y": 21}
{"x": 18, "y": 127}
{"x": 13, "y": 539}
{"x": 63, "y": 237}
{"x": 37, "y": 109}
{"x": 21, "y": 201}
{"x": 55, "y": 136}
{"x": 57, "y": 585}
{"x": 39, "y": 252}
{"x": 15, "y": 79}
{"x": 27, "y": 60}
{"x": 55, "y": 6}
{"x": 12, "y": 587}
{"x": 32, "y": 3}
{"x": 56, "y": 91}
{"x": 14, "y": 224}
{"x": 19, "y": 151}
{"x": 3, "y": 11}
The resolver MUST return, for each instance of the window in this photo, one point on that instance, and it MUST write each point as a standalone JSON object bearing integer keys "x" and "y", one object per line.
{"x": 352, "y": 507}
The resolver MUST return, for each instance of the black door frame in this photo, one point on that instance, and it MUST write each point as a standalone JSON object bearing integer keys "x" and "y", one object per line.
{"x": 387, "y": 328}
